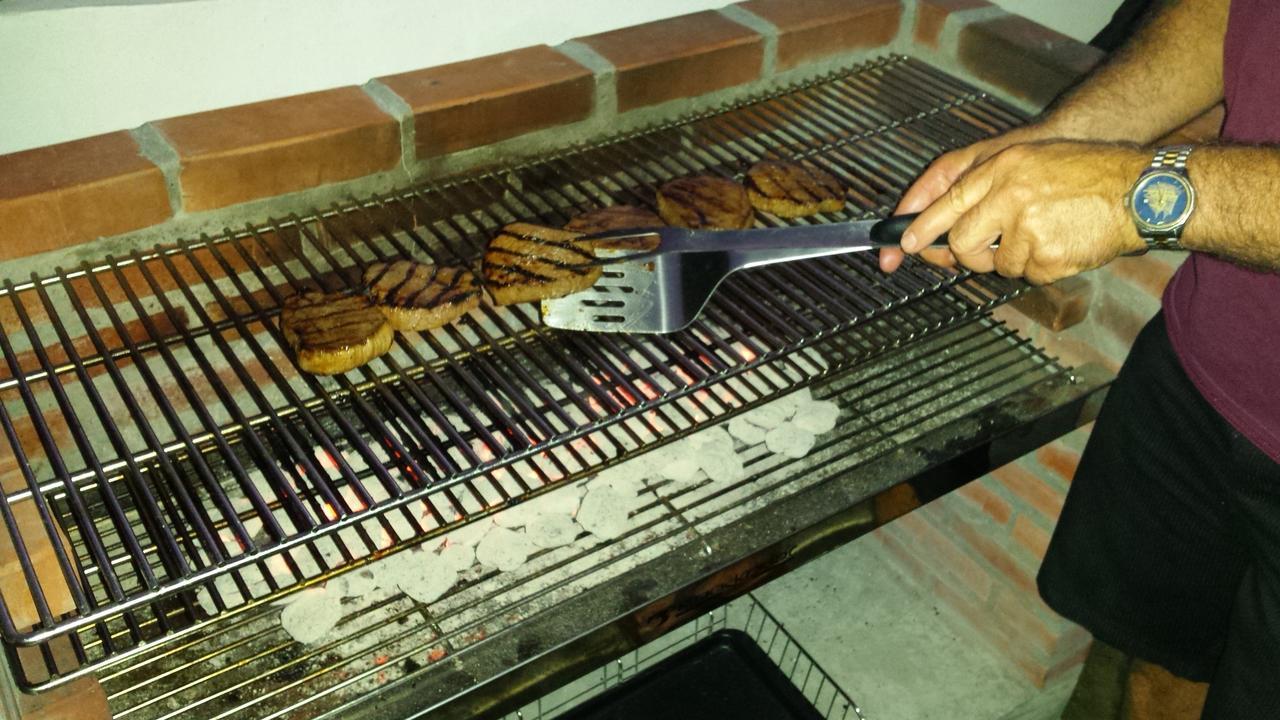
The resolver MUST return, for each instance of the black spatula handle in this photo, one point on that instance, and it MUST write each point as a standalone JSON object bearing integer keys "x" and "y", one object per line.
{"x": 888, "y": 232}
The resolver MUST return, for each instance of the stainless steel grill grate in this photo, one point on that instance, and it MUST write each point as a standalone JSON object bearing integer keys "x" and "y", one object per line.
{"x": 156, "y": 421}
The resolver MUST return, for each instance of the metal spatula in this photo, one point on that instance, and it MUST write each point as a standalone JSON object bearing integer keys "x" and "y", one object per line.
{"x": 664, "y": 289}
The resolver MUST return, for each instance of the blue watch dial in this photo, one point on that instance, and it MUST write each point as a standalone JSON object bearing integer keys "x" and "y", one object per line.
{"x": 1162, "y": 200}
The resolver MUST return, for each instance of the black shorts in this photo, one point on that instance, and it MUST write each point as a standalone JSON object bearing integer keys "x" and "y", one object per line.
{"x": 1168, "y": 546}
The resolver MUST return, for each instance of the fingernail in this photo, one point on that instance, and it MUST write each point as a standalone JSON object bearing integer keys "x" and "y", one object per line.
{"x": 909, "y": 241}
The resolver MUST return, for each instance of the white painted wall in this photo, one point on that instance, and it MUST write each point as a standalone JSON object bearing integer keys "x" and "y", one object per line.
{"x": 74, "y": 68}
{"x": 1081, "y": 19}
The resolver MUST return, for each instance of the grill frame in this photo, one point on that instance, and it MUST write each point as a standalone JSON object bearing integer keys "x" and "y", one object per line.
{"x": 745, "y": 125}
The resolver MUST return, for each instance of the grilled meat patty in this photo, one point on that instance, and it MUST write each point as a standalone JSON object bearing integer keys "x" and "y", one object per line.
{"x": 614, "y": 217}
{"x": 525, "y": 263}
{"x": 789, "y": 189}
{"x": 420, "y": 296}
{"x": 703, "y": 201}
{"x": 332, "y": 333}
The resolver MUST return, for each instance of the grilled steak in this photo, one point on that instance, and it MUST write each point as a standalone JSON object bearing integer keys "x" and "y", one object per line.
{"x": 525, "y": 263}
{"x": 420, "y": 296}
{"x": 703, "y": 201}
{"x": 614, "y": 217}
{"x": 793, "y": 190}
{"x": 332, "y": 333}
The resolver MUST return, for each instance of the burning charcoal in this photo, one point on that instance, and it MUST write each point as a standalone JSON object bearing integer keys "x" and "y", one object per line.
{"x": 790, "y": 441}
{"x": 817, "y": 416}
{"x": 503, "y": 549}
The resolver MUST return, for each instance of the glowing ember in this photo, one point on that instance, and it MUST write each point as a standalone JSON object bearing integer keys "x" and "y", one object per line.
{"x": 381, "y": 660}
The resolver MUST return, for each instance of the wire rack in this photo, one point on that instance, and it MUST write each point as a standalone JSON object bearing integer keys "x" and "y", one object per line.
{"x": 246, "y": 666}
{"x": 746, "y": 614}
{"x": 162, "y": 439}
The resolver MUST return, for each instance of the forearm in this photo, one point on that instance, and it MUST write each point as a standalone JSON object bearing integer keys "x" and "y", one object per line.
{"x": 1169, "y": 73}
{"x": 1236, "y": 216}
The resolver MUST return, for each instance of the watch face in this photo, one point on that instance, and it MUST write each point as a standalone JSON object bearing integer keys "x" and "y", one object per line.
{"x": 1162, "y": 201}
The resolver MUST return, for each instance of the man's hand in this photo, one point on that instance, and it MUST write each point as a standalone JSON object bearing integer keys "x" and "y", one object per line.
{"x": 1055, "y": 208}
{"x": 938, "y": 178}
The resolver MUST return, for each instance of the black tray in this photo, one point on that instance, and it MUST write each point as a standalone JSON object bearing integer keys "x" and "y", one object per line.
{"x": 725, "y": 675}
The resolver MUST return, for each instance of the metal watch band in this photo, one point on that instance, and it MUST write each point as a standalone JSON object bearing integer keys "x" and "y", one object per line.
{"x": 1172, "y": 157}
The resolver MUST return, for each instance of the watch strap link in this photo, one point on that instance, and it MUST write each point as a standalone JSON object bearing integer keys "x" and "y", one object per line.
{"x": 1172, "y": 157}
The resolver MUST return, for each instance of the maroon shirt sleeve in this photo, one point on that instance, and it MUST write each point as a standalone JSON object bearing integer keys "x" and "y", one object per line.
{"x": 1223, "y": 319}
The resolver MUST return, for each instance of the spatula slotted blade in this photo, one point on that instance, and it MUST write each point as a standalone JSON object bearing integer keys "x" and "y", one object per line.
{"x": 624, "y": 299}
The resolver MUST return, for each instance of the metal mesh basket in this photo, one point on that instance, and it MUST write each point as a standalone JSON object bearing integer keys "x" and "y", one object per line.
{"x": 746, "y": 614}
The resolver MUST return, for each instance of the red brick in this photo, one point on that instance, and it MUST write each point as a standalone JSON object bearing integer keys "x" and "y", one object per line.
{"x": 273, "y": 147}
{"x": 992, "y": 504}
{"x": 906, "y": 563}
{"x": 679, "y": 57}
{"x": 943, "y": 554}
{"x": 62, "y": 195}
{"x": 1031, "y": 490}
{"x": 998, "y": 557}
{"x": 1059, "y": 460}
{"x": 1146, "y": 272}
{"x": 931, "y": 17}
{"x": 1024, "y": 58}
{"x": 810, "y": 30}
{"x": 477, "y": 102}
{"x": 1057, "y": 306}
{"x": 1031, "y": 537}
{"x": 1014, "y": 610}
{"x": 1067, "y": 664}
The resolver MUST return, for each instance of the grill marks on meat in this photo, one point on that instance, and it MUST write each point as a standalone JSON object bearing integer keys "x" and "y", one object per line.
{"x": 614, "y": 217}
{"x": 790, "y": 190}
{"x": 703, "y": 201}
{"x": 420, "y": 296}
{"x": 525, "y": 263}
{"x": 332, "y": 333}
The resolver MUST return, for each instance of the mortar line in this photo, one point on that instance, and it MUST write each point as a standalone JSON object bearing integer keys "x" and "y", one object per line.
{"x": 154, "y": 146}
{"x": 392, "y": 104}
{"x": 767, "y": 30}
{"x": 606, "y": 76}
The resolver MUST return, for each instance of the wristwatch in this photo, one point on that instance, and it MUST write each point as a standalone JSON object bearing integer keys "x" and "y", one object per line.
{"x": 1162, "y": 199}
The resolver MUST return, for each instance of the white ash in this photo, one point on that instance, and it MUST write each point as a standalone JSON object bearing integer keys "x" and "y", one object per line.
{"x": 770, "y": 415}
{"x": 312, "y": 614}
{"x": 471, "y": 533}
{"x": 746, "y": 432}
{"x": 817, "y": 416}
{"x": 454, "y": 556}
{"x": 684, "y": 468}
{"x": 790, "y": 441}
{"x": 503, "y": 549}
{"x": 552, "y": 531}
{"x": 605, "y": 512}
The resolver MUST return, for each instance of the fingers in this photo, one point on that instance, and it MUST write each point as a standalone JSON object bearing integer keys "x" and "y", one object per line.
{"x": 936, "y": 180}
{"x": 891, "y": 258}
{"x": 942, "y": 215}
